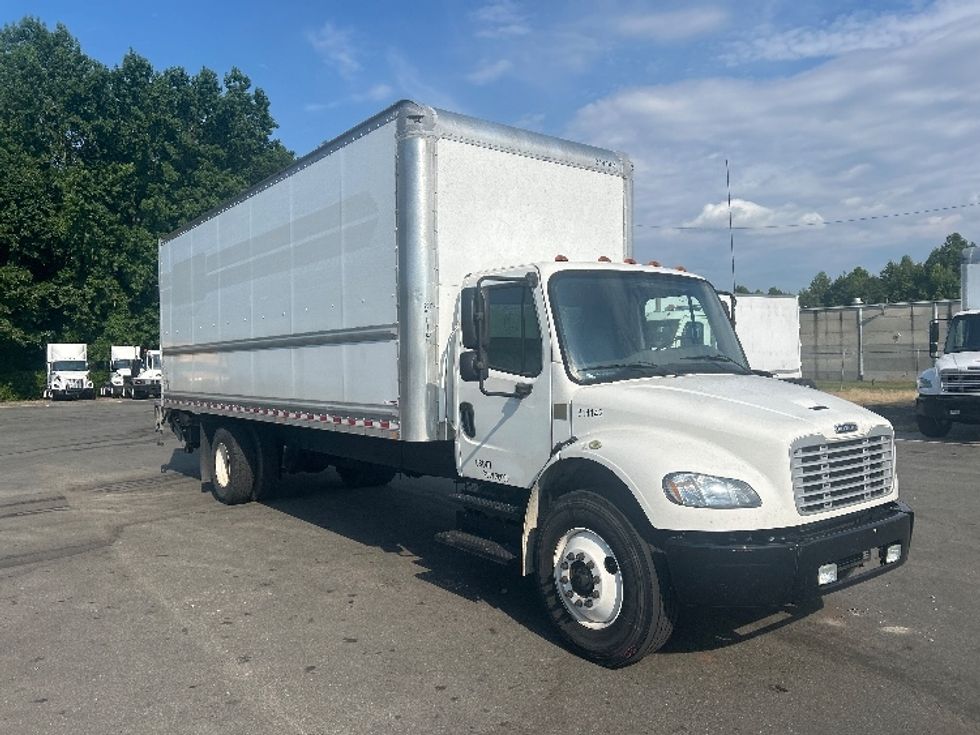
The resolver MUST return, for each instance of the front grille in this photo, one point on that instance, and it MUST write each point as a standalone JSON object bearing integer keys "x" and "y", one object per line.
{"x": 835, "y": 474}
{"x": 960, "y": 381}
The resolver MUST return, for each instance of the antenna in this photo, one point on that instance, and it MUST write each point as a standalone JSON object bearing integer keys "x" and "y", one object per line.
{"x": 731, "y": 231}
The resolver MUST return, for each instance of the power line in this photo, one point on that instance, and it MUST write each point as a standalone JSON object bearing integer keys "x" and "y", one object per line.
{"x": 798, "y": 225}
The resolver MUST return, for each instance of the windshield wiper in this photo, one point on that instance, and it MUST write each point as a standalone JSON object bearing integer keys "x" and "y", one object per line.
{"x": 718, "y": 358}
{"x": 637, "y": 366}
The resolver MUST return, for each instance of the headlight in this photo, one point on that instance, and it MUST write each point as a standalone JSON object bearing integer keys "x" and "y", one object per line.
{"x": 707, "y": 491}
{"x": 925, "y": 383}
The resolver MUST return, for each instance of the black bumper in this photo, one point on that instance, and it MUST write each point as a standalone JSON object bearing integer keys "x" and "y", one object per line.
{"x": 779, "y": 566}
{"x": 964, "y": 408}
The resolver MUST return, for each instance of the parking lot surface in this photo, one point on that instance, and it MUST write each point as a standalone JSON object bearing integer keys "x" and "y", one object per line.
{"x": 131, "y": 601}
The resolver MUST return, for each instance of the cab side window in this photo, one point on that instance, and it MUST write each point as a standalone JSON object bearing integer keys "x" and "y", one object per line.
{"x": 515, "y": 336}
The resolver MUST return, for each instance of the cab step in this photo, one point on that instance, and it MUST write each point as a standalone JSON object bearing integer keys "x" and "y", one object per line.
{"x": 490, "y": 506}
{"x": 477, "y": 546}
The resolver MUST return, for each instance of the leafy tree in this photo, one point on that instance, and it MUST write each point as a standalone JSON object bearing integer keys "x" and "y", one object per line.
{"x": 815, "y": 294}
{"x": 96, "y": 164}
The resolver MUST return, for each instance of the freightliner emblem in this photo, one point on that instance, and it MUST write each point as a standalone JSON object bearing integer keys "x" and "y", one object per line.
{"x": 845, "y": 428}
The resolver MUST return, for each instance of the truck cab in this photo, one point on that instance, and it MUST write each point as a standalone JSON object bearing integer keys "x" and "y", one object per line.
{"x": 621, "y": 397}
{"x": 147, "y": 383}
{"x": 949, "y": 392}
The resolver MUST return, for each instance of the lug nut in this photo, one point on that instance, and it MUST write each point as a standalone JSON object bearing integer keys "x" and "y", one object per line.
{"x": 588, "y": 603}
{"x": 564, "y": 565}
{"x": 564, "y": 580}
{"x": 578, "y": 603}
{"x": 595, "y": 594}
{"x": 568, "y": 594}
{"x": 590, "y": 564}
{"x": 596, "y": 580}
{"x": 579, "y": 556}
{"x": 570, "y": 557}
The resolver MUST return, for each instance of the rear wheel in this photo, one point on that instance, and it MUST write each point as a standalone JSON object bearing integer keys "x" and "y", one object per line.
{"x": 599, "y": 583}
{"x": 933, "y": 428}
{"x": 233, "y": 466}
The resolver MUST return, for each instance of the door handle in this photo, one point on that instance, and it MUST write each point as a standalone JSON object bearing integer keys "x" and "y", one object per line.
{"x": 467, "y": 419}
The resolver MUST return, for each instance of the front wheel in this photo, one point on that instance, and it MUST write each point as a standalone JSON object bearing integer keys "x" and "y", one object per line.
{"x": 599, "y": 583}
{"x": 933, "y": 428}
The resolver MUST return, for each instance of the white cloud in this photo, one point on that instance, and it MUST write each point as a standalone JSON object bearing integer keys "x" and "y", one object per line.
{"x": 877, "y": 132}
{"x": 336, "y": 46}
{"x": 489, "y": 72}
{"x": 671, "y": 25}
{"x": 501, "y": 19}
{"x": 857, "y": 32}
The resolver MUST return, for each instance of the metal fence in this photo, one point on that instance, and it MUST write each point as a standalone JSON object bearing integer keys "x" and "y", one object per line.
{"x": 870, "y": 341}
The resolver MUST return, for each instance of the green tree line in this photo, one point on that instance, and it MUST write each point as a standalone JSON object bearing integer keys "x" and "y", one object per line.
{"x": 96, "y": 164}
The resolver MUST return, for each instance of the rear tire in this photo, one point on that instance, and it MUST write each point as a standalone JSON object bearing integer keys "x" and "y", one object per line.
{"x": 233, "y": 466}
{"x": 933, "y": 428}
{"x": 627, "y": 613}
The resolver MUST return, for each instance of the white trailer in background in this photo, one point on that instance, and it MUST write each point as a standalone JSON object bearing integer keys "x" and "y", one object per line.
{"x": 949, "y": 392}
{"x": 67, "y": 372}
{"x": 769, "y": 329}
{"x": 122, "y": 359}
{"x": 423, "y": 295}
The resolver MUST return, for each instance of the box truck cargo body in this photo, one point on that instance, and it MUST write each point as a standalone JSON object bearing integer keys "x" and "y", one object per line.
{"x": 434, "y": 294}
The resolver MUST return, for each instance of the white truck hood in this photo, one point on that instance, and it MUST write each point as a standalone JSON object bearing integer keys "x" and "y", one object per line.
{"x": 959, "y": 361}
{"x": 738, "y": 426}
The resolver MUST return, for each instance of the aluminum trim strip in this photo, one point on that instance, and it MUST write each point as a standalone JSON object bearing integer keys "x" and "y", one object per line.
{"x": 357, "y": 335}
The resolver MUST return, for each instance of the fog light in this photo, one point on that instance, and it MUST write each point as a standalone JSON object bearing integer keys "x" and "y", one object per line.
{"x": 893, "y": 553}
{"x": 827, "y": 574}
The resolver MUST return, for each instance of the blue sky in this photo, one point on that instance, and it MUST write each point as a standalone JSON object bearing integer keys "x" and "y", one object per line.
{"x": 826, "y": 110}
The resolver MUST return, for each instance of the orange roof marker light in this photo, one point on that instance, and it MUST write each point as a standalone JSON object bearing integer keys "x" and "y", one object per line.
{"x": 629, "y": 261}
{"x": 561, "y": 258}
{"x": 680, "y": 268}
{"x": 604, "y": 259}
{"x": 654, "y": 263}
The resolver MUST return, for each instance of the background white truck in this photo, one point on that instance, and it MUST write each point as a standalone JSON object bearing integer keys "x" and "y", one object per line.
{"x": 146, "y": 384}
{"x": 121, "y": 359}
{"x": 949, "y": 392}
{"x": 67, "y": 372}
{"x": 769, "y": 329}
{"x": 424, "y": 294}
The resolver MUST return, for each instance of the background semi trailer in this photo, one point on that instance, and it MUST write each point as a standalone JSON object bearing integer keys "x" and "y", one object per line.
{"x": 769, "y": 329}
{"x": 424, "y": 294}
{"x": 67, "y": 372}
{"x": 949, "y": 391}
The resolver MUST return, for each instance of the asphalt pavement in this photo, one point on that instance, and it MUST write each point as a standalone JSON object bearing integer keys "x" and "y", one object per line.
{"x": 133, "y": 602}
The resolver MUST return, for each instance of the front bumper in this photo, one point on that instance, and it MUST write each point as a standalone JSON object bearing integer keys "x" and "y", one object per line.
{"x": 947, "y": 407}
{"x": 147, "y": 389}
{"x": 779, "y": 566}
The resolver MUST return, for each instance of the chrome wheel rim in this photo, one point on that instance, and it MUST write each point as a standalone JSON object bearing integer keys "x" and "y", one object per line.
{"x": 588, "y": 578}
{"x": 222, "y": 465}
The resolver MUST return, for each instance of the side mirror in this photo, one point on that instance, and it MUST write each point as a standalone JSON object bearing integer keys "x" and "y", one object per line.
{"x": 470, "y": 369}
{"x": 934, "y": 338}
{"x": 471, "y": 315}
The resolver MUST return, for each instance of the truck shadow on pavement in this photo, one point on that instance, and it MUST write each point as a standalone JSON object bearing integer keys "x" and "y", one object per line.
{"x": 403, "y": 520}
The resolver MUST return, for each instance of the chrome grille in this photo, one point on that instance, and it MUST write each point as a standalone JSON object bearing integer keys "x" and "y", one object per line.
{"x": 960, "y": 381}
{"x": 830, "y": 475}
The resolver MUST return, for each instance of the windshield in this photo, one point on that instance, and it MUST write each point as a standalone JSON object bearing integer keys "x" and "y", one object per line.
{"x": 964, "y": 334}
{"x": 122, "y": 364}
{"x": 69, "y": 366}
{"x": 616, "y": 325}
{"x": 155, "y": 362}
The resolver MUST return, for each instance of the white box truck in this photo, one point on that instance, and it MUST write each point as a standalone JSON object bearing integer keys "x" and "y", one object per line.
{"x": 124, "y": 360}
{"x": 769, "y": 329}
{"x": 67, "y": 372}
{"x": 437, "y": 295}
{"x": 949, "y": 391}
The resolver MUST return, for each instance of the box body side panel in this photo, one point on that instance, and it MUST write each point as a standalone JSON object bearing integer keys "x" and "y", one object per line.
{"x": 289, "y": 296}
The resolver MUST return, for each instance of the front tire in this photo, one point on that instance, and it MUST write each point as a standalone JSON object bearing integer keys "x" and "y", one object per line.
{"x": 233, "y": 467}
{"x": 933, "y": 428}
{"x": 599, "y": 583}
